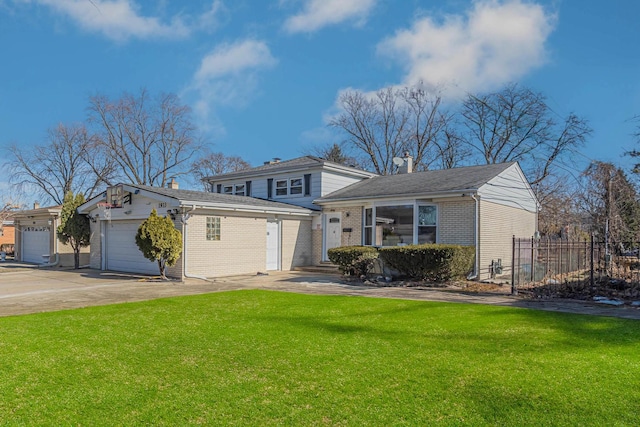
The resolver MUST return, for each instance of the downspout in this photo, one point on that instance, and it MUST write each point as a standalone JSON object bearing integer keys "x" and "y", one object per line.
{"x": 475, "y": 273}
{"x": 184, "y": 220}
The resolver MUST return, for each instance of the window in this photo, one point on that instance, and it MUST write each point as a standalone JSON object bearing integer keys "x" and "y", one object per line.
{"x": 399, "y": 225}
{"x": 237, "y": 189}
{"x": 426, "y": 224}
{"x": 368, "y": 226}
{"x": 213, "y": 228}
{"x": 281, "y": 187}
{"x": 394, "y": 225}
{"x": 295, "y": 186}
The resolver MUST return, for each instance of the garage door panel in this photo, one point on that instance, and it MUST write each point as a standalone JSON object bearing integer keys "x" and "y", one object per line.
{"x": 35, "y": 243}
{"x": 122, "y": 253}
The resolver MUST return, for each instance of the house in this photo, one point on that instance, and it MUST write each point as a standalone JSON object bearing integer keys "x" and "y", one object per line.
{"x": 286, "y": 214}
{"x": 298, "y": 181}
{"x": 36, "y": 239}
{"x": 481, "y": 206}
{"x": 223, "y": 234}
{"x": 7, "y": 236}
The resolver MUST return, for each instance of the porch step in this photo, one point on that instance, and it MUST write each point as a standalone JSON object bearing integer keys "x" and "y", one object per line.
{"x": 324, "y": 267}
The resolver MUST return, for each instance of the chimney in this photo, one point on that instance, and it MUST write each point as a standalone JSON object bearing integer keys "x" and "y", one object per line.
{"x": 173, "y": 185}
{"x": 36, "y": 205}
{"x": 407, "y": 166}
{"x": 273, "y": 161}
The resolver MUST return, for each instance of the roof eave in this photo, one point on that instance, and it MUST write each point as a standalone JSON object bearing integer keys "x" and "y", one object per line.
{"x": 438, "y": 194}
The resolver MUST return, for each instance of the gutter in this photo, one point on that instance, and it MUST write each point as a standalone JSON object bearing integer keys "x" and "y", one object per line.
{"x": 403, "y": 196}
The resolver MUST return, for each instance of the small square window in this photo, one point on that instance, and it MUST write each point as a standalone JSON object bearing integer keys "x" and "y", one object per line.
{"x": 227, "y": 189}
{"x": 213, "y": 228}
{"x": 239, "y": 190}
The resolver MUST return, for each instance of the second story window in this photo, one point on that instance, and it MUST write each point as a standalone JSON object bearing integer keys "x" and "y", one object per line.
{"x": 295, "y": 186}
{"x": 227, "y": 189}
{"x": 239, "y": 191}
{"x": 281, "y": 187}
{"x": 286, "y": 187}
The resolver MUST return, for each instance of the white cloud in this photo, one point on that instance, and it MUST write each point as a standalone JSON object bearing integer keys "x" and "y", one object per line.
{"x": 232, "y": 59}
{"x": 121, "y": 20}
{"x": 321, "y": 13}
{"x": 493, "y": 43}
{"x": 228, "y": 75}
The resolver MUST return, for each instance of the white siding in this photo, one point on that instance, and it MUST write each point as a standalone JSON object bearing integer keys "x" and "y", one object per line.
{"x": 510, "y": 188}
{"x": 332, "y": 181}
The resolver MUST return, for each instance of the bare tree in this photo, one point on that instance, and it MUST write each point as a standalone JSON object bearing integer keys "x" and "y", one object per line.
{"x": 611, "y": 202}
{"x": 149, "y": 139}
{"x": 390, "y": 122}
{"x": 216, "y": 164}
{"x": 57, "y": 167}
{"x": 516, "y": 124}
{"x": 333, "y": 153}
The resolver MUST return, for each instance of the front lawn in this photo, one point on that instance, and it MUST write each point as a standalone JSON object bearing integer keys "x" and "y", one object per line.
{"x": 268, "y": 358}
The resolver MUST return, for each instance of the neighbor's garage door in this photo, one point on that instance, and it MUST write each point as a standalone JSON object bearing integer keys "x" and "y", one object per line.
{"x": 35, "y": 243}
{"x": 122, "y": 253}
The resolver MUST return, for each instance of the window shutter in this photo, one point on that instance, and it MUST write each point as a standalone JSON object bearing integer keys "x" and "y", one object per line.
{"x": 219, "y": 188}
{"x": 307, "y": 184}
{"x": 247, "y": 189}
{"x": 270, "y": 188}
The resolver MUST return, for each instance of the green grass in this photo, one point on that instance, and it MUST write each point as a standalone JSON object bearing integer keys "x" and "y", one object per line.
{"x": 268, "y": 358}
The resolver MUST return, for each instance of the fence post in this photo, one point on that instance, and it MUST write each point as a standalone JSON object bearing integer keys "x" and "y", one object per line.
{"x": 591, "y": 281}
{"x": 514, "y": 290}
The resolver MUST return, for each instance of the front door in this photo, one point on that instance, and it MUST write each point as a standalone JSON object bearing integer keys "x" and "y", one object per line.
{"x": 332, "y": 232}
{"x": 273, "y": 245}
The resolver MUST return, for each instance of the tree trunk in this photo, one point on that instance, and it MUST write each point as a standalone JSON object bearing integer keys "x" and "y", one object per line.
{"x": 161, "y": 266}
{"x": 76, "y": 258}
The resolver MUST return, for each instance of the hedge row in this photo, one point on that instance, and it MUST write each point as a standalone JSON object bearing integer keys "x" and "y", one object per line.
{"x": 432, "y": 262}
{"x": 353, "y": 260}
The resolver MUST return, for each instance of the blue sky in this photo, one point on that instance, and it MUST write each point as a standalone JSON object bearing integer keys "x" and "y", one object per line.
{"x": 262, "y": 76}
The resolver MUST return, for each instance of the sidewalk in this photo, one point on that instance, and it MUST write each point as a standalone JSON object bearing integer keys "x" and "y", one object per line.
{"x": 28, "y": 289}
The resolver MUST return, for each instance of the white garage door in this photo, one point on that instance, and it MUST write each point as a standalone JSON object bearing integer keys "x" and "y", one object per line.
{"x": 122, "y": 253}
{"x": 35, "y": 243}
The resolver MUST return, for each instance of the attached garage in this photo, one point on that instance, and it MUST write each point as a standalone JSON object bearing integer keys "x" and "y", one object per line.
{"x": 36, "y": 242}
{"x": 121, "y": 251}
{"x": 222, "y": 234}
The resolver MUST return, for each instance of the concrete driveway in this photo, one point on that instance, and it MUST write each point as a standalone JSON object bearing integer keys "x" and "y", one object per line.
{"x": 28, "y": 289}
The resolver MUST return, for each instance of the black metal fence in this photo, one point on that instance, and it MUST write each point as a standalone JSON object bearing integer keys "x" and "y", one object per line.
{"x": 550, "y": 261}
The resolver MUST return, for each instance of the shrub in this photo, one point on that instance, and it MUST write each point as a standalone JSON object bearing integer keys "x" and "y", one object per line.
{"x": 353, "y": 260}
{"x": 432, "y": 262}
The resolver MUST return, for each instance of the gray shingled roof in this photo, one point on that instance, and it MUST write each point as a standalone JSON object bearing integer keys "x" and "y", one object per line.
{"x": 423, "y": 183}
{"x": 206, "y": 197}
{"x": 297, "y": 163}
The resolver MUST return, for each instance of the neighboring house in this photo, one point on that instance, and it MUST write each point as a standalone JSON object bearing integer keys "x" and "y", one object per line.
{"x": 286, "y": 214}
{"x": 36, "y": 239}
{"x": 481, "y": 206}
{"x": 7, "y": 235}
{"x": 222, "y": 234}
